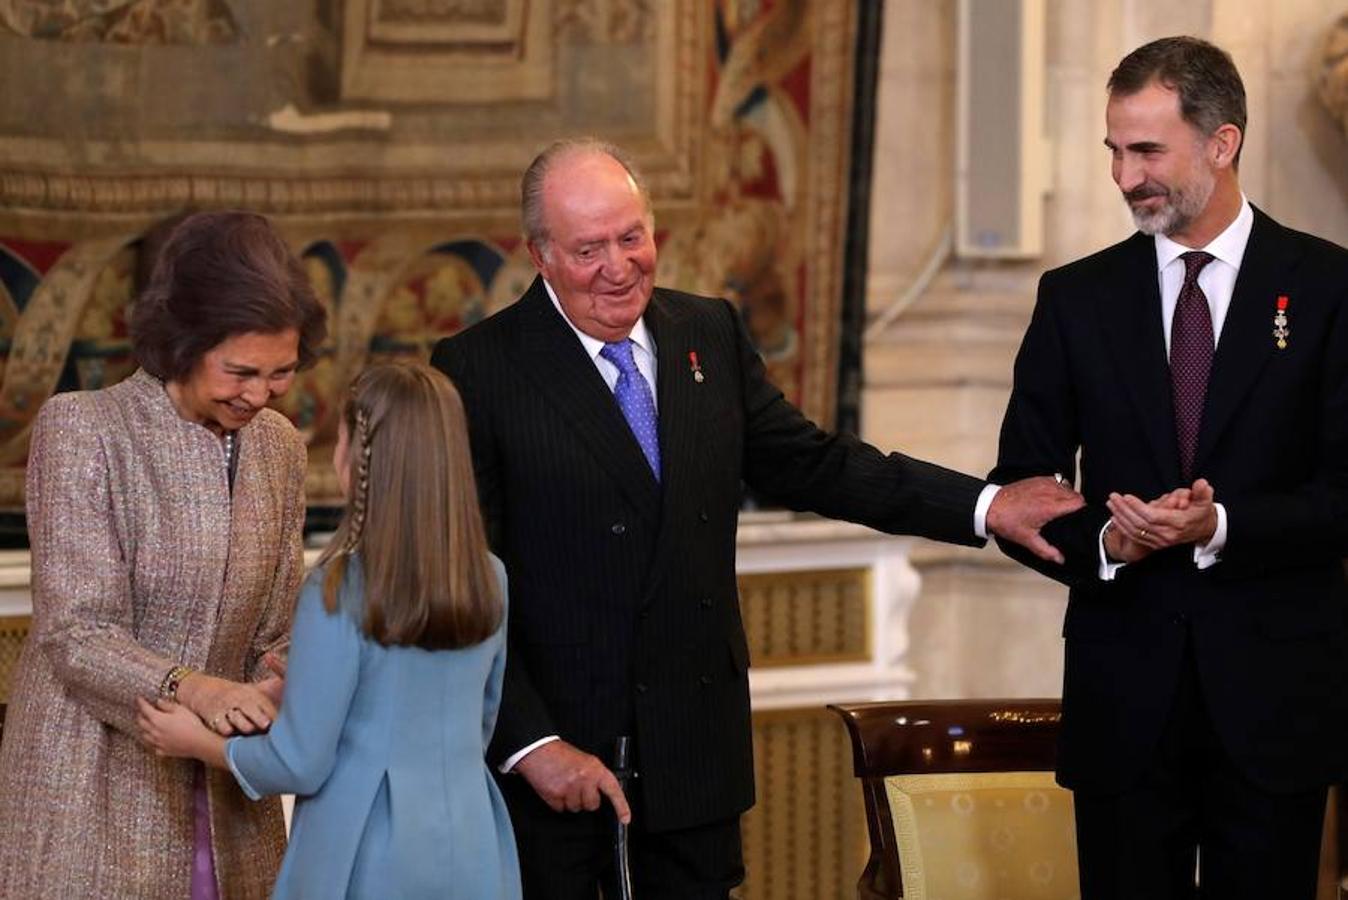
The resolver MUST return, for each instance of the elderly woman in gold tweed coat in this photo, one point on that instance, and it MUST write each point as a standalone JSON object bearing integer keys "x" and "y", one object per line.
{"x": 165, "y": 517}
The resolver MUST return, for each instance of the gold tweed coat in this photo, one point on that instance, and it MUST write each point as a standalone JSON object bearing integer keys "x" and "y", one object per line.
{"x": 142, "y": 559}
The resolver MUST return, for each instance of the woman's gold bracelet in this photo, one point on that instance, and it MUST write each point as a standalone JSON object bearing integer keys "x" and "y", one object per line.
{"x": 168, "y": 688}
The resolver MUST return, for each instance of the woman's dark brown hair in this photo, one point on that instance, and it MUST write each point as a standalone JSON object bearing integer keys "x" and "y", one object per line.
{"x": 412, "y": 513}
{"x": 221, "y": 274}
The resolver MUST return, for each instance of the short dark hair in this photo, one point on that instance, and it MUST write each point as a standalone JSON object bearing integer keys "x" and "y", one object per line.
{"x": 221, "y": 274}
{"x": 1211, "y": 93}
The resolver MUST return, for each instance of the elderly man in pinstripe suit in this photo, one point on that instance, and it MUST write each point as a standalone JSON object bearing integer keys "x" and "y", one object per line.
{"x": 613, "y": 424}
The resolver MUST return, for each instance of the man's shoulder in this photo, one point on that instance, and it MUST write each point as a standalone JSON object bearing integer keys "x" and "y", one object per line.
{"x": 1102, "y": 262}
{"x": 1311, "y": 246}
{"x": 693, "y": 306}
{"x": 483, "y": 336}
{"x": 683, "y": 298}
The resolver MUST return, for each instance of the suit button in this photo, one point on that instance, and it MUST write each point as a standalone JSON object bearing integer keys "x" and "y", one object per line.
{"x": 706, "y": 603}
{"x": 1179, "y": 618}
{"x": 702, "y": 515}
{"x": 618, "y": 528}
{"x": 645, "y": 612}
{"x": 705, "y": 680}
{"x": 641, "y": 687}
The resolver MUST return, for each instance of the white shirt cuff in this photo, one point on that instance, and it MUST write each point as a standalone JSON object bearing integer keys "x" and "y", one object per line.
{"x": 1208, "y": 555}
{"x": 1108, "y": 568}
{"x": 981, "y": 509}
{"x": 514, "y": 758}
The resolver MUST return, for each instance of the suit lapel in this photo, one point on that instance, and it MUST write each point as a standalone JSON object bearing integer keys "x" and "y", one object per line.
{"x": 1246, "y": 342}
{"x": 1130, "y": 312}
{"x": 680, "y": 425}
{"x": 556, "y": 362}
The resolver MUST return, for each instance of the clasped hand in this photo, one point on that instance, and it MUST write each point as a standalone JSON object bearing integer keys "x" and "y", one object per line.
{"x": 171, "y": 729}
{"x": 1182, "y": 516}
{"x": 209, "y": 708}
{"x": 230, "y": 707}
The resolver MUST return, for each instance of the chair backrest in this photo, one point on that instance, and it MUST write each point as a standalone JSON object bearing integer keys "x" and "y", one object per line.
{"x": 960, "y": 800}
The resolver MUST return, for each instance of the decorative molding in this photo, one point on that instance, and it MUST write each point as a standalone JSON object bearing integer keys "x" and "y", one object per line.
{"x": 816, "y": 547}
{"x": 807, "y": 617}
{"x": 144, "y": 196}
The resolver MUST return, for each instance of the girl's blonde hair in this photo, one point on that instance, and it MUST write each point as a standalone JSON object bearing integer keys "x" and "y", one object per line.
{"x": 412, "y": 513}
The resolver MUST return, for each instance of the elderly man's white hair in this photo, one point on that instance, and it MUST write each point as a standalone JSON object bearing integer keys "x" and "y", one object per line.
{"x": 531, "y": 185}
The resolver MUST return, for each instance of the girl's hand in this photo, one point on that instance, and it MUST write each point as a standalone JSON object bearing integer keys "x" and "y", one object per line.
{"x": 171, "y": 729}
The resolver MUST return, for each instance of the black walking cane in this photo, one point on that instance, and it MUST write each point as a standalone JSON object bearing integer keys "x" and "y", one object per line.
{"x": 622, "y": 864}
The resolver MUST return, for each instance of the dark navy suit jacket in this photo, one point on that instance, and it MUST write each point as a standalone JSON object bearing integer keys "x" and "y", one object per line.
{"x": 1268, "y": 624}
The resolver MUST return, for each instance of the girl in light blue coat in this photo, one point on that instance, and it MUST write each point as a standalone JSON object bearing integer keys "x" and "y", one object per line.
{"x": 394, "y": 673}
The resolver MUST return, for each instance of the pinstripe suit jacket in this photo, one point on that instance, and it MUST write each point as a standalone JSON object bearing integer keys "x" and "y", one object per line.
{"x": 624, "y": 612}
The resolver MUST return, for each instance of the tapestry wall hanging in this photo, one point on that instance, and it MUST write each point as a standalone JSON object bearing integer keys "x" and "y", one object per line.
{"x": 386, "y": 139}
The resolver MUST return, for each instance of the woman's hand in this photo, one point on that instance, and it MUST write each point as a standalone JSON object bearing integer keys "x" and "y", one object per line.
{"x": 229, "y": 707}
{"x": 171, "y": 729}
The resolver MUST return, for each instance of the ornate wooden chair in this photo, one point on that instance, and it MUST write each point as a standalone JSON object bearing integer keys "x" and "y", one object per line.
{"x": 960, "y": 800}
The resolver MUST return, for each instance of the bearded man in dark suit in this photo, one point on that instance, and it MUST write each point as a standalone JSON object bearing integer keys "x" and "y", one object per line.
{"x": 1200, "y": 369}
{"x": 613, "y": 425}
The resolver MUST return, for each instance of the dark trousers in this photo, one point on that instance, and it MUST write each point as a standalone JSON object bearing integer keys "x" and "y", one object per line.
{"x": 1194, "y": 811}
{"x": 569, "y": 856}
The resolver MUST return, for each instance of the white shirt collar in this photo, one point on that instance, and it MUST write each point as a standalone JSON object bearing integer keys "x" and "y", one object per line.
{"x": 1229, "y": 246}
{"x": 640, "y": 336}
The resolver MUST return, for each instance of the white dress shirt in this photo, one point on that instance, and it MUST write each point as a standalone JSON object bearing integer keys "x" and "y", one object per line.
{"x": 1218, "y": 281}
{"x": 643, "y": 349}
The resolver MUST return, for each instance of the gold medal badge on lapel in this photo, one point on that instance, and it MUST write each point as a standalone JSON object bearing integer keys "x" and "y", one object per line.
{"x": 694, "y": 367}
{"x": 1280, "y": 329}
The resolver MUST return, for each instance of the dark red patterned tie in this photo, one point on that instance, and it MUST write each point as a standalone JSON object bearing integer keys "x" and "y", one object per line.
{"x": 1191, "y": 347}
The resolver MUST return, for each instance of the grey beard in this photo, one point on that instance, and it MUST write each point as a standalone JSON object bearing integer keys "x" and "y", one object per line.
{"x": 1167, "y": 220}
{"x": 1178, "y": 212}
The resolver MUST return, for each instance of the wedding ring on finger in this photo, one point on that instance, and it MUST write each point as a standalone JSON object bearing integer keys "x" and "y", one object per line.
{"x": 1143, "y": 533}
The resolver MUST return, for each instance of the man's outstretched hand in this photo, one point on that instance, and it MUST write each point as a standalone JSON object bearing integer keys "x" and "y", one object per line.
{"x": 1023, "y": 507}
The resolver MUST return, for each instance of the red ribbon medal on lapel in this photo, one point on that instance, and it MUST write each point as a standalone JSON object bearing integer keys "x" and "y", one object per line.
{"x": 1280, "y": 329}
{"x": 694, "y": 367}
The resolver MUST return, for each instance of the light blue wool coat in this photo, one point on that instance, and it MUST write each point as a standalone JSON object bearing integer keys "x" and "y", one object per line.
{"x": 384, "y": 749}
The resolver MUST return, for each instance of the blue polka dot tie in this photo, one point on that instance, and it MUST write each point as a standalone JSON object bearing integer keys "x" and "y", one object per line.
{"x": 635, "y": 400}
